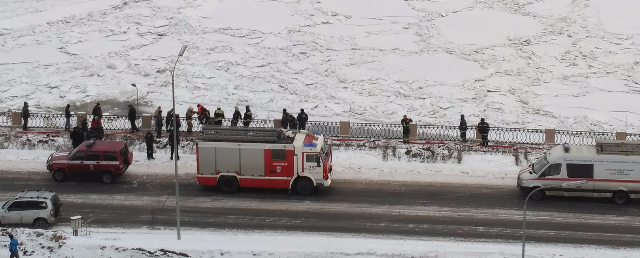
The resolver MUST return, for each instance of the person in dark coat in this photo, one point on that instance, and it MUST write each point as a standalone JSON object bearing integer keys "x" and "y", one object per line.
{"x": 248, "y": 117}
{"x": 483, "y": 129}
{"x": 92, "y": 134}
{"x": 172, "y": 147}
{"x": 189, "y": 117}
{"x": 293, "y": 124}
{"x": 77, "y": 137}
{"x": 157, "y": 116}
{"x": 84, "y": 127}
{"x": 302, "y": 120}
{"x": 148, "y": 139}
{"x": 168, "y": 123}
{"x": 285, "y": 119}
{"x": 236, "y": 117}
{"x": 406, "y": 130}
{"x": 463, "y": 128}
{"x": 67, "y": 116}
{"x": 133, "y": 115}
{"x": 204, "y": 116}
{"x": 218, "y": 116}
{"x": 25, "y": 116}
{"x": 97, "y": 111}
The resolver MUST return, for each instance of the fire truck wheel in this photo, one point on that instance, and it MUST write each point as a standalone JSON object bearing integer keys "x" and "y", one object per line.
{"x": 228, "y": 184}
{"x": 305, "y": 186}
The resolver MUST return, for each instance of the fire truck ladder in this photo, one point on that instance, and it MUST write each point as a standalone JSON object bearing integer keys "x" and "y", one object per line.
{"x": 618, "y": 147}
{"x": 242, "y": 134}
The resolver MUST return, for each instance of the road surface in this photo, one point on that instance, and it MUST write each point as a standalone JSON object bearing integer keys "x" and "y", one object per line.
{"x": 347, "y": 206}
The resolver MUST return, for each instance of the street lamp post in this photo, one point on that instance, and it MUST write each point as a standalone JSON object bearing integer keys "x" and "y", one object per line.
{"x": 134, "y": 85}
{"x": 175, "y": 139}
{"x": 524, "y": 220}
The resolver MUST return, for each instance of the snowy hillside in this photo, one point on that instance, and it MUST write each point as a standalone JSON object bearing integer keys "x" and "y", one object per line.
{"x": 531, "y": 63}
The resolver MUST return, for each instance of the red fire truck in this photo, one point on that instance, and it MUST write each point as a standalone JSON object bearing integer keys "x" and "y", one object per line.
{"x": 233, "y": 157}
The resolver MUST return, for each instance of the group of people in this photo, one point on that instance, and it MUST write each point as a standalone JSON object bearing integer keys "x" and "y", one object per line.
{"x": 483, "y": 129}
{"x": 288, "y": 121}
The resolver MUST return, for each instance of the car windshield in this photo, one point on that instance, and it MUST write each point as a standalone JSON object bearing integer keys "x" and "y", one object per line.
{"x": 540, "y": 164}
{"x": 72, "y": 153}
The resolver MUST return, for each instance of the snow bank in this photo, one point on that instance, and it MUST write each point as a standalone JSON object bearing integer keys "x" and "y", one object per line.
{"x": 118, "y": 243}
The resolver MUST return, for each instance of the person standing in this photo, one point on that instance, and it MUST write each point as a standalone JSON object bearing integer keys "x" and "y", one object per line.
{"x": 158, "y": 118}
{"x": 84, "y": 127}
{"x": 236, "y": 117}
{"x": 218, "y": 116}
{"x": 25, "y": 116}
{"x": 302, "y": 120}
{"x": 284, "y": 122}
{"x": 168, "y": 123}
{"x": 97, "y": 111}
{"x": 77, "y": 137}
{"x": 133, "y": 115}
{"x": 293, "y": 124}
{"x": 96, "y": 125}
{"x": 67, "y": 116}
{"x": 406, "y": 130}
{"x": 13, "y": 247}
{"x": 174, "y": 148}
{"x": 248, "y": 117}
{"x": 189, "y": 117}
{"x": 148, "y": 139}
{"x": 463, "y": 128}
{"x": 483, "y": 129}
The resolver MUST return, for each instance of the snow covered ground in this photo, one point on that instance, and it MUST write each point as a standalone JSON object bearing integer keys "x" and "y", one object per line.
{"x": 532, "y": 63}
{"x": 117, "y": 243}
{"x": 362, "y": 165}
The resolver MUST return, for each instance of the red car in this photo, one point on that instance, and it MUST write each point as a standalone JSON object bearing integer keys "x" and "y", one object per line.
{"x": 107, "y": 159}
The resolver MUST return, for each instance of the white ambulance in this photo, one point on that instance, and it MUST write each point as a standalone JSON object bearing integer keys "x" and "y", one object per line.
{"x": 610, "y": 169}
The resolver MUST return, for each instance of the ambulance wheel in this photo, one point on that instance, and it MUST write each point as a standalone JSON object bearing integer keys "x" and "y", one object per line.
{"x": 305, "y": 186}
{"x": 620, "y": 197}
{"x": 228, "y": 184}
{"x": 538, "y": 195}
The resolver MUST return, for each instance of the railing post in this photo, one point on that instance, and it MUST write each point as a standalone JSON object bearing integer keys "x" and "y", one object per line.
{"x": 146, "y": 122}
{"x": 277, "y": 123}
{"x": 345, "y": 129}
{"x": 413, "y": 132}
{"x": 550, "y": 136}
{"x": 621, "y": 136}
{"x": 16, "y": 119}
{"x": 79, "y": 117}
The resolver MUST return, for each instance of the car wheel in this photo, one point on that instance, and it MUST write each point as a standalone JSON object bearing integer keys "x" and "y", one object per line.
{"x": 304, "y": 186}
{"x": 59, "y": 175}
{"x": 620, "y": 197}
{"x": 537, "y": 195}
{"x": 41, "y": 224}
{"x": 228, "y": 184}
{"x": 107, "y": 177}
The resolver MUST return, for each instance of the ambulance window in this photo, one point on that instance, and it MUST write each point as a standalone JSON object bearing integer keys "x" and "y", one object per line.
{"x": 580, "y": 170}
{"x": 279, "y": 155}
{"x": 552, "y": 170}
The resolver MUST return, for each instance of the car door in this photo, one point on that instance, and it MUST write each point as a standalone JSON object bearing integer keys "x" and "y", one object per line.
{"x": 76, "y": 163}
{"x": 32, "y": 210}
{"x": 93, "y": 161}
{"x": 13, "y": 213}
{"x": 578, "y": 172}
{"x": 552, "y": 178}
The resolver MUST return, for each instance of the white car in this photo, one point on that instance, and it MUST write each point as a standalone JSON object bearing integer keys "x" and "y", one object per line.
{"x": 39, "y": 208}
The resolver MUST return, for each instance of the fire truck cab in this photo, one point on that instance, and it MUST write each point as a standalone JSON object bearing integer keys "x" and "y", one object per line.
{"x": 233, "y": 157}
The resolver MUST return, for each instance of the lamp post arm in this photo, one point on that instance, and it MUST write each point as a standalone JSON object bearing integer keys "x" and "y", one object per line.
{"x": 524, "y": 220}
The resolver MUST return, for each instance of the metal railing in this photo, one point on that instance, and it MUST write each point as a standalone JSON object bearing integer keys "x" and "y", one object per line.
{"x": 499, "y": 135}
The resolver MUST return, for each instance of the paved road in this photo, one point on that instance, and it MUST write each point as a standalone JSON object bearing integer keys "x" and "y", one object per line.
{"x": 351, "y": 207}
